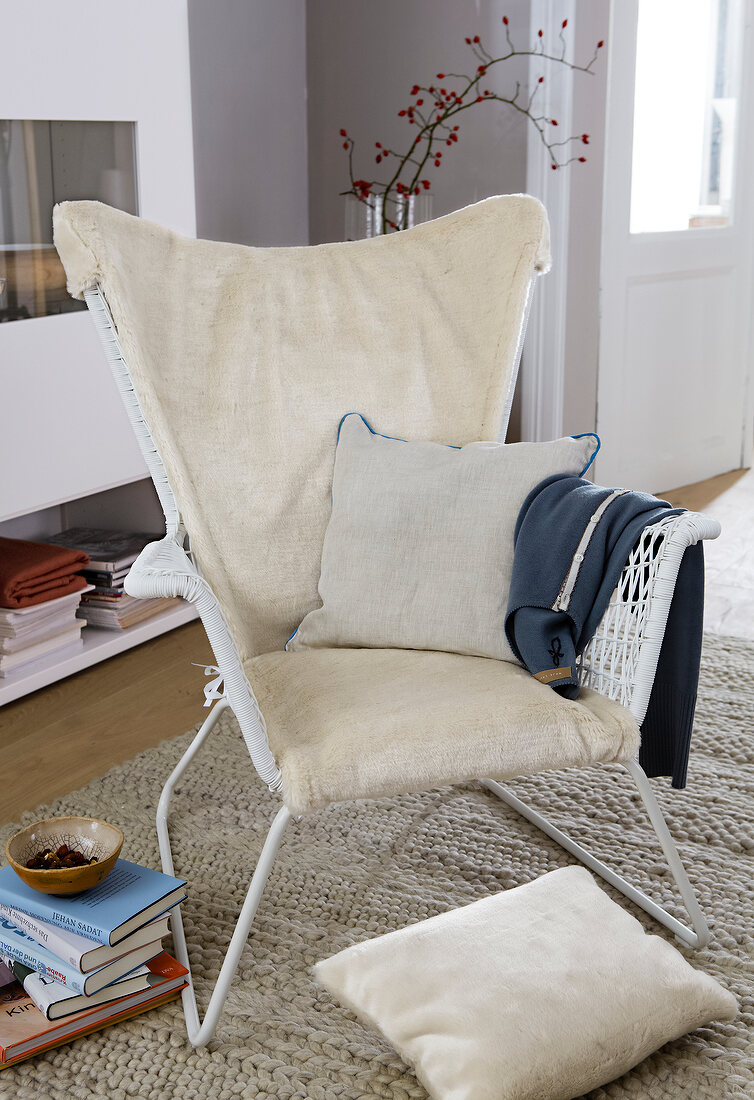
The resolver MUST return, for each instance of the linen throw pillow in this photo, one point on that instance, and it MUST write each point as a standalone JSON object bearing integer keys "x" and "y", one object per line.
{"x": 418, "y": 552}
{"x": 547, "y": 990}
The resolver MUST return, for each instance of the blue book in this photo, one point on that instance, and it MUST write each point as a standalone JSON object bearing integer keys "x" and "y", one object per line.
{"x": 129, "y": 897}
{"x": 17, "y": 947}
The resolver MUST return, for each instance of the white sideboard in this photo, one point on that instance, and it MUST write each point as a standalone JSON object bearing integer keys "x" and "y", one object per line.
{"x": 217, "y": 96}
{"x": 64, "y": 434}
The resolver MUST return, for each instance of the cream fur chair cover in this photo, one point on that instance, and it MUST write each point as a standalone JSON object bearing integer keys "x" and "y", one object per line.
{"x": 245, "y": 359}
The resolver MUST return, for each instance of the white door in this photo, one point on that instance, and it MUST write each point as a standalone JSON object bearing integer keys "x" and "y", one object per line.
{"x": 677, "y": 244}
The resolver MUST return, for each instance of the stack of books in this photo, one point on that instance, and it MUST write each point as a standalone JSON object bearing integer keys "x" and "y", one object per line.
{"x": 111, "y": 555}
{"x": 72, "y": 965}
{"x": 30, "y": 634}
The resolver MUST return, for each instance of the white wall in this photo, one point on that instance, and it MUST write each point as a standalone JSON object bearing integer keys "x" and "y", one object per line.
{"x": 248, "y": 94}
{"x": 362, "y": 60}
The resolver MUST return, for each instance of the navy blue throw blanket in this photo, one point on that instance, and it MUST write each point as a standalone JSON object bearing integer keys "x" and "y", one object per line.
{"x": 572, "y": 540}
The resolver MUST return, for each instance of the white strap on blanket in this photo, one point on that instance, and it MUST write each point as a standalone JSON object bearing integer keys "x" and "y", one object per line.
{"x": 564, "y": 596}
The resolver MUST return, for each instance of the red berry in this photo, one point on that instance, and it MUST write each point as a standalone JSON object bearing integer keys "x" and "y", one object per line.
{"x": 455, "y": 127}
{"x": 505, "y": 20}
{"x": 539, "y": 34}
{"x": 420, "y": 103}
{"x": 478, "y": 99}
{"x": 600, "y": 44}
{"x": 417, "y": 190}
{"x": 378, "y": 144}
{"x": 585, "y": 139}
{"x": 554, "y": 121}
{"x": 582, "y": 160}
{"x": 345, "y": 144}
{"x": 414, "y": 90}
{"x": 476, "y": 38}
{"x": 564, "y": 24}
{"x": 441, "y": 76}
{"x": 401, "y": 114}
{"x": 468, "y": 41}
{"x": 425, "y": 185}
{"x": 393, "y": 225}
{"x": 437, "y": 164}
{"x": 378, "y": 159}
{"x": 541, "y": 80}
{"x": 482, "y": 69}
{"x": 553, "y": 166}
{"x": 343, "y": 133}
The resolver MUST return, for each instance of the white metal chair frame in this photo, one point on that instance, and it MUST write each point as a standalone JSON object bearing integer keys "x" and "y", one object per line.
{"x": 619, "y": 662}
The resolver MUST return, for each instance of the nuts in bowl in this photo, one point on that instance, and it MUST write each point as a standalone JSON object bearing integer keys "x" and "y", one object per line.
{"x": 64, "y": 855}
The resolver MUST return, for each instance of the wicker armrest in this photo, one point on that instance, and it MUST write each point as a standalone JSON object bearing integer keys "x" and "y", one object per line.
{"x": 621, "y": 659}
{"x": 164, "y": 569}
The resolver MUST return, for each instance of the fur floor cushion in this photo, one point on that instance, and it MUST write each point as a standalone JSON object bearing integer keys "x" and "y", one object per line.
{"x": 542, "y": 992}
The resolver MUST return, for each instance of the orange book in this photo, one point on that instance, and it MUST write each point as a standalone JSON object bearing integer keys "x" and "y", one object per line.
{"x": 24, "y": 1031}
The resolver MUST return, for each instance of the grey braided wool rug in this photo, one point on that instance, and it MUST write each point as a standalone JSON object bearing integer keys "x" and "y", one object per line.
{"x": 355, "y": 871}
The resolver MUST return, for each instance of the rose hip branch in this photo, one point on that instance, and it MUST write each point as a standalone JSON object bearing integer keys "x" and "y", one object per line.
{"x": 432, "y": 113}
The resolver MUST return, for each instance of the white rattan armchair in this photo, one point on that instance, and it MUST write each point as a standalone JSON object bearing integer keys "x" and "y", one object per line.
{"x": 621, "y": 659}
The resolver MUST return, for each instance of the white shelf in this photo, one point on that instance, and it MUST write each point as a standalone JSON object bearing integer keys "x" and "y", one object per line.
{"x": 99, "y": 644}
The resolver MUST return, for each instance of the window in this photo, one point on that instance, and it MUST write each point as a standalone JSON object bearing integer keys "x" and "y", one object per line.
{"x": 685, "y": 104}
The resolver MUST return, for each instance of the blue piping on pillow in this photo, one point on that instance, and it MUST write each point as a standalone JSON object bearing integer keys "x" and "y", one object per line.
{"x": 596, "y": 450}
{"x": 397, "y": 438}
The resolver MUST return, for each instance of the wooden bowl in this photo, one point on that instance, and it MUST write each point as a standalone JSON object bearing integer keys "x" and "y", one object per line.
{"x": 84, "y": 834}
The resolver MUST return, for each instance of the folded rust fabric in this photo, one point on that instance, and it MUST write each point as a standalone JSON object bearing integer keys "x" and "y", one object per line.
{"x": 33, "y": 572}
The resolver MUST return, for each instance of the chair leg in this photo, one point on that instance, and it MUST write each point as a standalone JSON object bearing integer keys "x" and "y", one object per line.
{"x": 696, "y": 936}
{"x": 200, "y": 1032}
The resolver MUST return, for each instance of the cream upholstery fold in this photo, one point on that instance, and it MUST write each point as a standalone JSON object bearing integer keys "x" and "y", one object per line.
{"x": 245, "y": 359}
{"x": 363, "y": 723}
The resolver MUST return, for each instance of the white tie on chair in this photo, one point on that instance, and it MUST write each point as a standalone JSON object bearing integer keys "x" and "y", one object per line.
{"x": 236, "y": 365}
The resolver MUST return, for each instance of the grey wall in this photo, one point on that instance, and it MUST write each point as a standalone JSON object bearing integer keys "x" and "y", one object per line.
{"x": 362, "y": 59}
{"x": 585, "y": 229}
{"x": 248, "y": 100}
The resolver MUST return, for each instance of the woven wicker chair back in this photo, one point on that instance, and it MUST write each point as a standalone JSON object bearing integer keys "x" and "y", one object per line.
{"x": 244, "y": 360}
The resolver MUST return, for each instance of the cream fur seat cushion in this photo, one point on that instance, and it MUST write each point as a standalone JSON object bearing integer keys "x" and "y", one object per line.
{"x": 542, "y": 992}
{"x": 363, "y": 723}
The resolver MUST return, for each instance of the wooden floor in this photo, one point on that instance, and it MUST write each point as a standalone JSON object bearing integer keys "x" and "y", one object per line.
{"x": 61, "y": 737}
{"x": 729, "y": 573}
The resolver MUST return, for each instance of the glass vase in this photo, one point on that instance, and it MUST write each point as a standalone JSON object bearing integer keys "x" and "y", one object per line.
{"x": 367, "y": 218}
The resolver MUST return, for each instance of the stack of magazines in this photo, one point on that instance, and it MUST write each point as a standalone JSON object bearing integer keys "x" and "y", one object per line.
{"x": 30, "y": 634}
{"x": 72, "y": 965}
{"x": 111, "y": 555}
